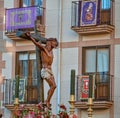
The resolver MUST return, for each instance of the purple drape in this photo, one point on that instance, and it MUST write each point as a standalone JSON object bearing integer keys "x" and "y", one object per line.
{"x": 19, "y": 18}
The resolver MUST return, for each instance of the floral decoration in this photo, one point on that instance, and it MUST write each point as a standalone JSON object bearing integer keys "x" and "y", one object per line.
{"x": 40, "y": 111}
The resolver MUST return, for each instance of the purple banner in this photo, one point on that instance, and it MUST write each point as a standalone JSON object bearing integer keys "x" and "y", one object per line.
{"x": 89, "y": 13}
{"x": 19, "y": 18}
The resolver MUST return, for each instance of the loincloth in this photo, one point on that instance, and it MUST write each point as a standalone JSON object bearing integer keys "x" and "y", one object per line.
{"x": 46, "y": 73}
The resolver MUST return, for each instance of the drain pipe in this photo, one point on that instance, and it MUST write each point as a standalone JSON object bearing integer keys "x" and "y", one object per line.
{"x": 59, "y": 52}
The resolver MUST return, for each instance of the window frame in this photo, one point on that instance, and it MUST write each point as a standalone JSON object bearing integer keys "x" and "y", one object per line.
{"x": 102, "y": 80}
{"x": 30, "y": 68}
{"x": 84, "y": 57}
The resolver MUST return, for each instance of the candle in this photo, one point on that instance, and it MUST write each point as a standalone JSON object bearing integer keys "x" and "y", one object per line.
{"x": 72, "y": 84}
{"x": 17, "y": 87}
{"x": 90, "y": 86}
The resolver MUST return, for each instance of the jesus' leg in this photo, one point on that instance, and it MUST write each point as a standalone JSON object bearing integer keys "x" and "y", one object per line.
{"x": 52, "y": 85}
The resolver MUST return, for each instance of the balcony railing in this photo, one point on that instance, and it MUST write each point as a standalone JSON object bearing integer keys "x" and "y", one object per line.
{"x": 27, "y": 93}
{"x": 102, "y": 91}
{"x": 100, "y": 20}
{"x": 23, "y": 19}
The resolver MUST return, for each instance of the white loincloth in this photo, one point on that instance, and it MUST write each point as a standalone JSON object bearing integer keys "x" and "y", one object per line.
{"x": 46, "y": 73}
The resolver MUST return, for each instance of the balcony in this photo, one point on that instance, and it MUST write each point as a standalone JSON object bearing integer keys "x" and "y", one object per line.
{"x": 24, "y": 19}
{"x": 102, "y": 91}
{"x": 98, "y": 22}
{"x": 28, "y": 94}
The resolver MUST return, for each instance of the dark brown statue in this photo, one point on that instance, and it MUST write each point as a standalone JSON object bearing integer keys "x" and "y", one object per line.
{"x": 0, "y": 115}
{"x": 47, "y": 60}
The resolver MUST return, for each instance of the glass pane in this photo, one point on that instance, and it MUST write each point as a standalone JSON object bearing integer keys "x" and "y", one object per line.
{"x": 25, "y": 68}
{"x": 33, "y": 68}
{"x": 34, "y": 72}
{"x": 105, "y": 4}
{"x": 23, "y": 56}
{"x": 26, "y": 3}
{"x": 39, "y": 7}
{"x": 38, "y": 2}
{"x": 103, "y": 60}
{"x": 90, "y": 61}
{"x": 32, "y": 56}
{"x": 23, "y": 61}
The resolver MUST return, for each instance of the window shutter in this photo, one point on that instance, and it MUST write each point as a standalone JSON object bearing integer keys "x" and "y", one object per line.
{"x": 20, "y": 3}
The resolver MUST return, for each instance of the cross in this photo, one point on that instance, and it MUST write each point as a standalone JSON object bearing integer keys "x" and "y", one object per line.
{"x": 37, "y": 36}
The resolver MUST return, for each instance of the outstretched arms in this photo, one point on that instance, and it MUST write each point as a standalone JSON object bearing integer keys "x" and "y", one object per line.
{"x": 38, "y": 44}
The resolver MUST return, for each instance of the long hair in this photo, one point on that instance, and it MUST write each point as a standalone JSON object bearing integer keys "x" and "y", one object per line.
{"x": 53, "y": 39}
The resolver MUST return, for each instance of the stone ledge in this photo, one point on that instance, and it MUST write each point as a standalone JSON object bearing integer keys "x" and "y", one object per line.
{"x": 96, "y": 104}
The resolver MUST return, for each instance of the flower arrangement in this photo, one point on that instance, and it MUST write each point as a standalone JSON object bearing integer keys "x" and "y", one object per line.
{"x": 40, "y": 111}
{"x": 63, "y": 112}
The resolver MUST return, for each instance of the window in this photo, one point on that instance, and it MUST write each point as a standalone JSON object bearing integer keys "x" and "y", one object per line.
{"x": 106, "y": 11}
{"x": 38, "y": 3}
{"x": 26, "y": 3}
{"x": 106, "y": 4}
{"x": 96, "y": 61}
{"x": 26, "y": 68}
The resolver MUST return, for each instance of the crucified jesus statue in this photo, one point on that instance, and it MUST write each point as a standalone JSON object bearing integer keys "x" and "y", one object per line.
{"x": 47, "y": 60}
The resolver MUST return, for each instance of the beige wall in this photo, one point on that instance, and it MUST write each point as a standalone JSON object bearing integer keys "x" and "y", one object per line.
{"x": 117, "y": 82}
{"x": 96, "y": 37}
{"x": 117, "y": 19}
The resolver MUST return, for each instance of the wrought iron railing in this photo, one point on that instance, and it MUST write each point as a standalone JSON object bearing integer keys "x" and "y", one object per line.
{"x": 27, "y": 93}
{"x": 102, "y": 87}
{"x": 104, "y": 13}
{"x": 23, "y": 18}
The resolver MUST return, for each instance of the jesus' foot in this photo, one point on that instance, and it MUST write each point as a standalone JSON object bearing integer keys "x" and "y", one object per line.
{"x": 48, "y": 105}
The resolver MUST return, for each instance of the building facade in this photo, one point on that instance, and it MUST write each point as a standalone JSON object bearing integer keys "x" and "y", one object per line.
{"x": 88, "y": 36}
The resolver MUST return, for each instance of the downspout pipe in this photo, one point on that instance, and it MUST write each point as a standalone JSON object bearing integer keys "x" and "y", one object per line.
{"x": 59, "y": 52}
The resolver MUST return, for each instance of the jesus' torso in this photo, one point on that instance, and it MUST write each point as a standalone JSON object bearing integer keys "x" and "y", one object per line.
{"x": 46, "y": 59}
